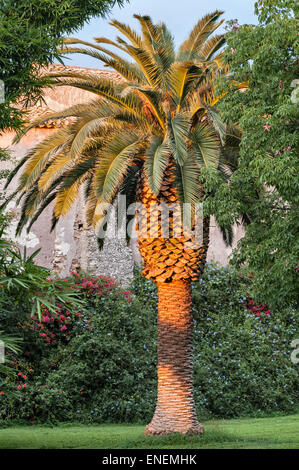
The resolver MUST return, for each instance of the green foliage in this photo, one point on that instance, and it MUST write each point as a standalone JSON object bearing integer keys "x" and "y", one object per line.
{"x": 106, "y": 372}
{"x": 25, "y": 290}
{"x": 24, "y": 285}
{"x": 265, "y": 186}
{"x": 269, "y": 9}
{"x": 30, "y": 31}
{"x": 242, "y": 362}
{"x": 100, "y": 372}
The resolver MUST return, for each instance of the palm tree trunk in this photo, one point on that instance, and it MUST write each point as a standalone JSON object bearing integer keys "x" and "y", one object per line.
{"x": 175, "y": 410}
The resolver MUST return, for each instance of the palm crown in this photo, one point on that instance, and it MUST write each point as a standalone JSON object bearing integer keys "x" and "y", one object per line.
{"x": 158, "y": 109}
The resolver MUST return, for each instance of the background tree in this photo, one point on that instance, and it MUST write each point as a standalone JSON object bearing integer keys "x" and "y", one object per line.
{"x": 266, "y": 184}
{"x": 149, "y": 137}
{"x": 30, "y": 31}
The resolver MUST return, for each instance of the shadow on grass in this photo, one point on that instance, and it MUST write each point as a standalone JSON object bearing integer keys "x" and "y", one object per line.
{"x": 210, "y": 439}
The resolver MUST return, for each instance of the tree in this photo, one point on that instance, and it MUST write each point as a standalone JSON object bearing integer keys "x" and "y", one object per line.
{"x": 149, "y": 137}
{"x": 30, "y": 31}
{"x": 265, "y": 185}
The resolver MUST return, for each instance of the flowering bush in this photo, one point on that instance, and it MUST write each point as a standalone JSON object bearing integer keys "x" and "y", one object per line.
{"x": 98, "y": 371}
{"x": 61, "y": 325}
{"x": 46, "y": 334}
{"x": 96, "y": 285}
{"x": 257, "y": 310}
{"x": 55, "y": 326}
{"x": 242, "y": 363}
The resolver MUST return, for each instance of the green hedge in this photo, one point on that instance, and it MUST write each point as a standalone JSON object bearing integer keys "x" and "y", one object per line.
{"x": 107, "y": 373}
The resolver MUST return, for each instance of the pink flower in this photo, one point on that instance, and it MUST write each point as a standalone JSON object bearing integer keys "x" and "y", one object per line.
{"x": 63, "y": 328}
{"x": 277, "y": 152}
{"x": 232, "y": 50}
{"x": 267, "y": 127}
{"x": 19, "y": 387}
{"x": 280, "y": 84}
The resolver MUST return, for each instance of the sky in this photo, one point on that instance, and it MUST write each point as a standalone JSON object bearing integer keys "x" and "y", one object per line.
{"x": 179, "y": 15}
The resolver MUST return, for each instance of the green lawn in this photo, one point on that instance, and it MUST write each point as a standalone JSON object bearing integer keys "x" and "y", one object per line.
{"x": 260, "y": 433}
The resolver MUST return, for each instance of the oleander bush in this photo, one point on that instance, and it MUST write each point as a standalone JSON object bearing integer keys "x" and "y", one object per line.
{"x": 99, "y": 367}
{"x": 102, "y": 367}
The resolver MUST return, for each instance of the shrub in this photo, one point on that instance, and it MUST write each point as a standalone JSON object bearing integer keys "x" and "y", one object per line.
{"x": 242, "y": 362}
{"x": 107, "y": 372}
{"x": 104, "y": 373}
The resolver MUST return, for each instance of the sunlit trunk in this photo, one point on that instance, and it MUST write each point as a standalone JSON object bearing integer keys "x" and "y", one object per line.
{"x": 175, "y": 409}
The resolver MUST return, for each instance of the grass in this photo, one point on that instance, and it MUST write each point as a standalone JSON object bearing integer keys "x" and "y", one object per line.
{"x": 252, "y": 433}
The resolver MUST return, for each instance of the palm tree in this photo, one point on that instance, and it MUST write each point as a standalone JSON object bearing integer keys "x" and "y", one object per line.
{"x": 149, "y": 135}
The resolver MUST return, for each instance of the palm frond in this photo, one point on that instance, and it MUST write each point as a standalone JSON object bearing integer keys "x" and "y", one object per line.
{"x": 199, "y": 34}
{"x": 153, "y": 99}
{"x": 13, "y": 172}
{"x": 58, "y": 166}
{"x": 227, "y": 233}
{"x": 218, "y": 124}
{"x": 64, "y": 200}
{"x": 146, "y": 63}
{"x": 157, "y": 157}
{"x": 46, "y": 202}
{"x": 188, "y": 187}
{"x": 84, "y": 166}
{"x": 179, "y": 127}
{"x": 158, "y": 43}
{"x": 181, "y": 78}
{"x": 127, "y": 31}
{"x": 114, "y": 162}
{"x": 31, "y": 201}
{"x": 187, "y": 181}
{"x": 211, "y": 46}
{"x": 71, "y": 41}
{"x": 205, "y": 145}
{"x": 89, "y": 129}
{"x": 126, "y": 69}
{"x": 39, "y": 156}
{"x": 72, "y": 111}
